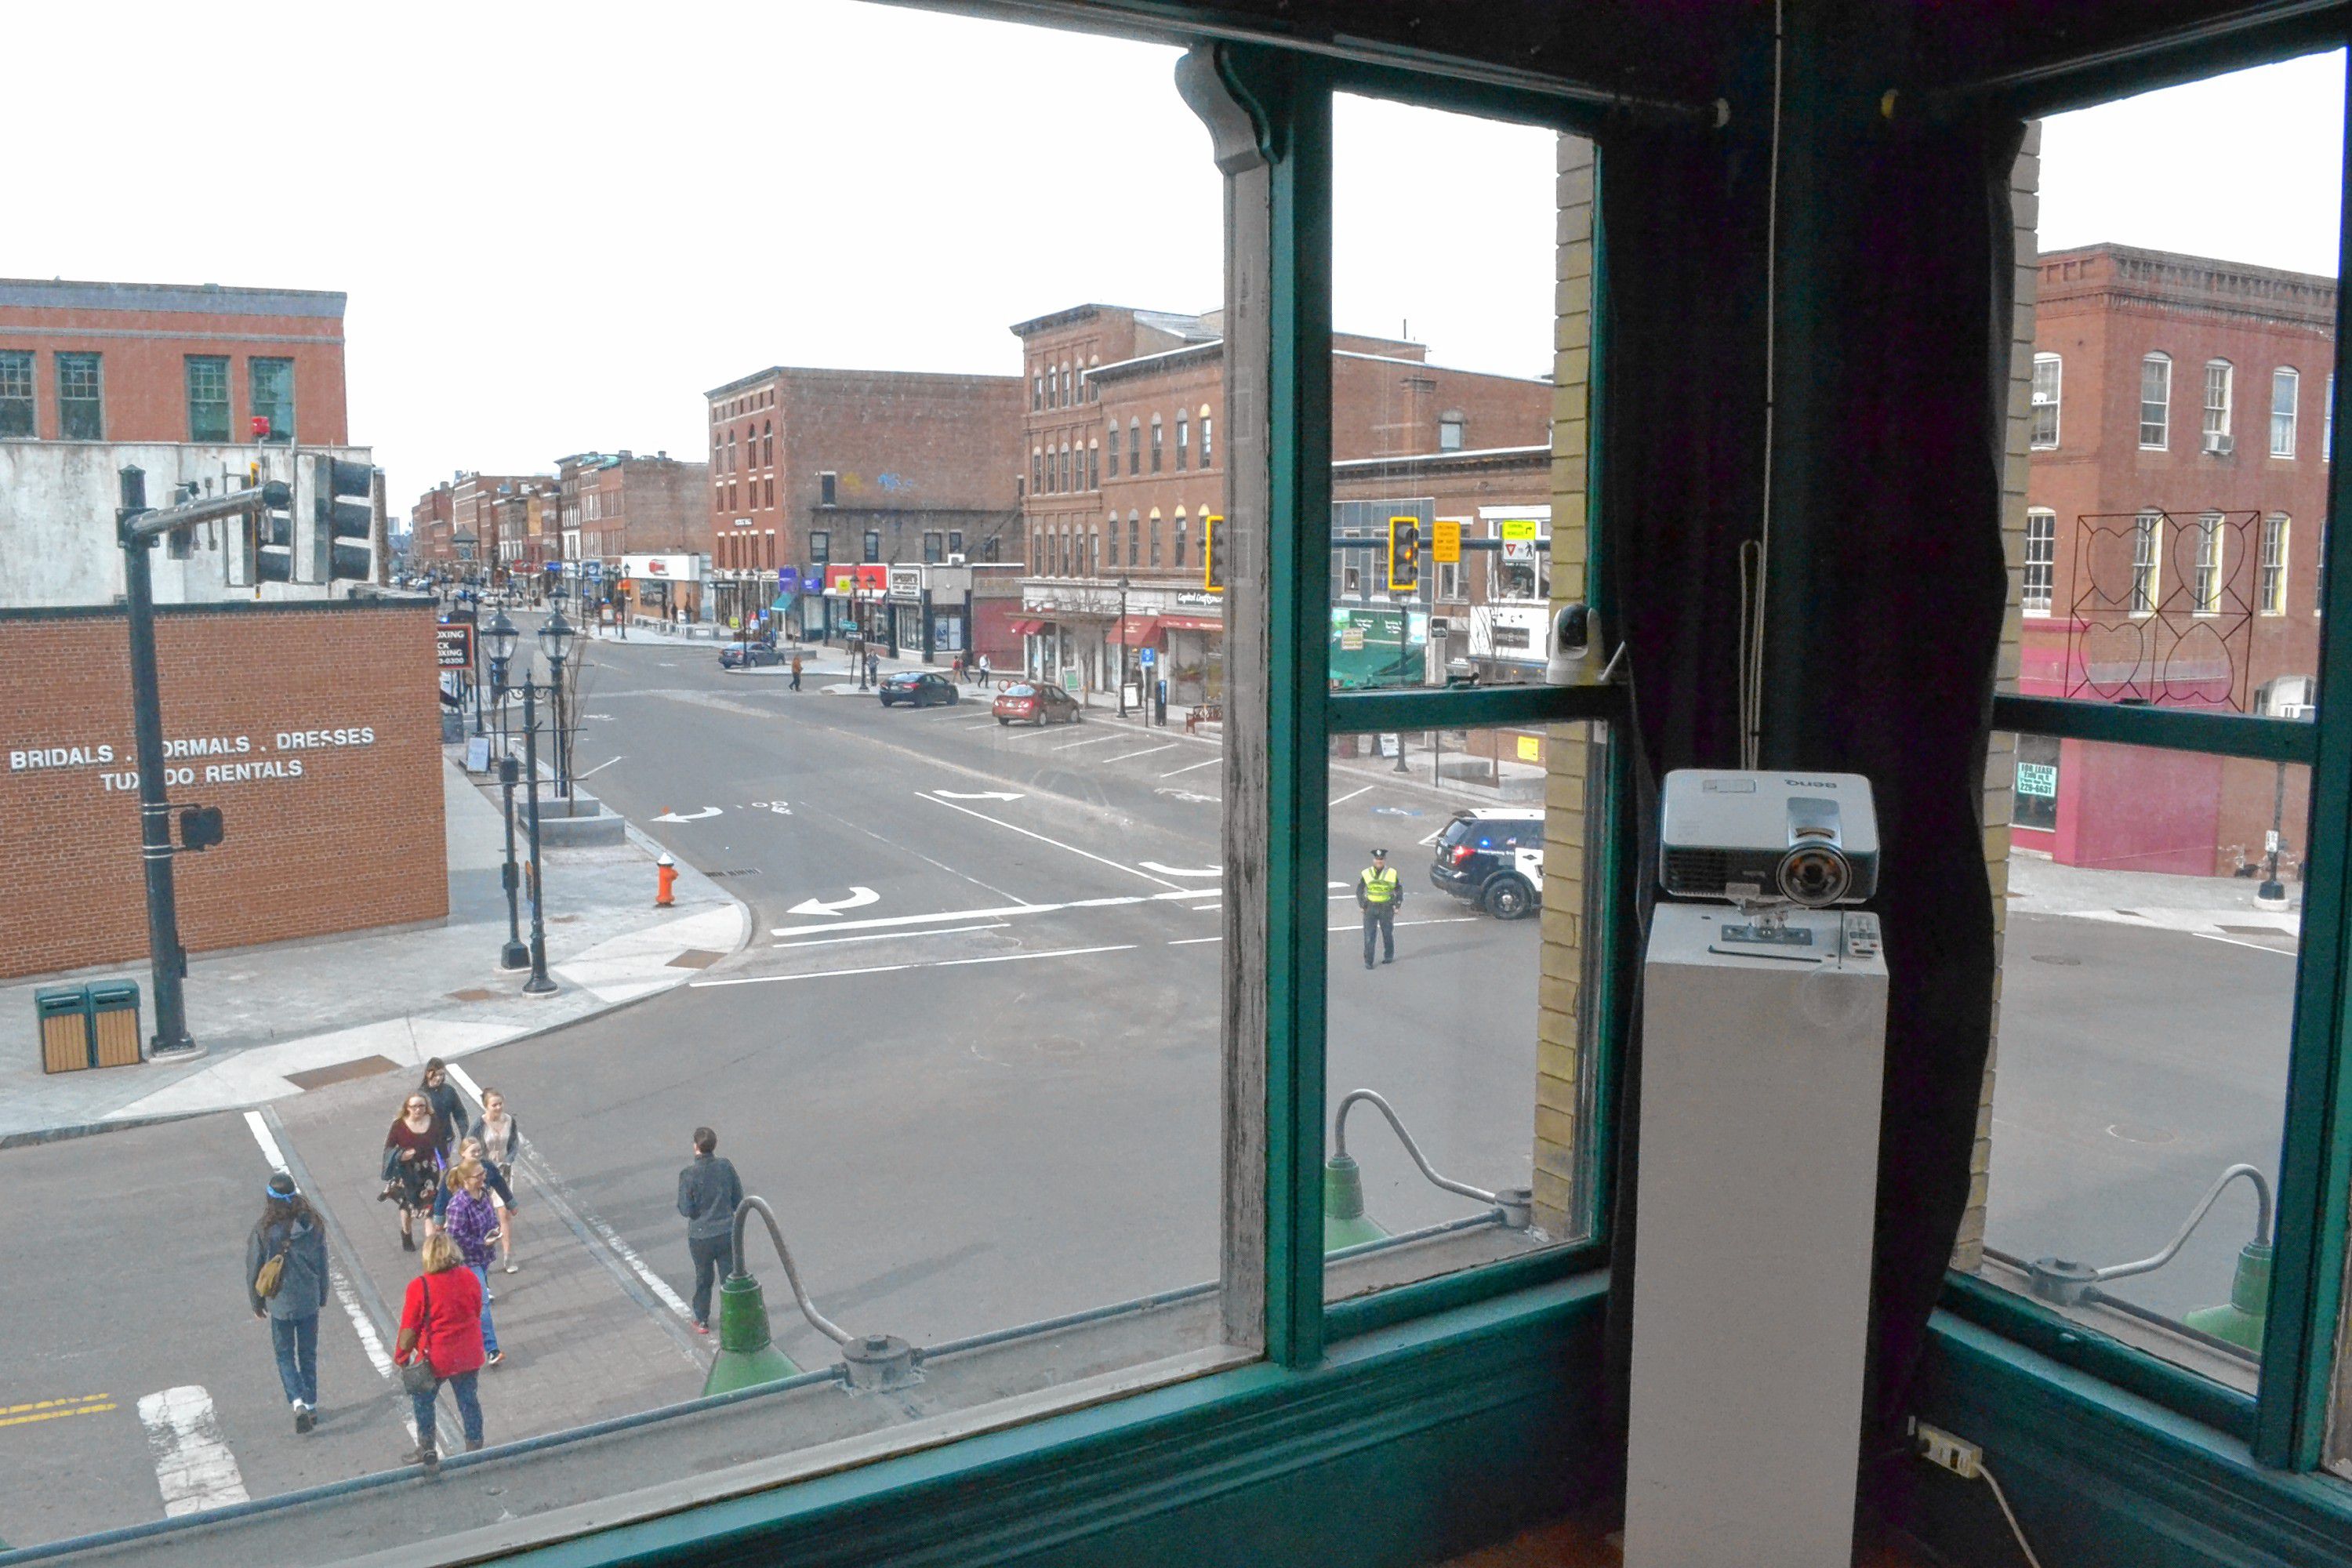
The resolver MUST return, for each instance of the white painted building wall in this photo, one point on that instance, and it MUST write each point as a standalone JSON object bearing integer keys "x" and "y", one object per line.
{"x": 58, "y": 501}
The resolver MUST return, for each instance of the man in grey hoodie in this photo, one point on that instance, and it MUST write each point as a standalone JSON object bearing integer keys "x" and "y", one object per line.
{"x": 289, "y": 1232}
{"x": 709, "y": 1192}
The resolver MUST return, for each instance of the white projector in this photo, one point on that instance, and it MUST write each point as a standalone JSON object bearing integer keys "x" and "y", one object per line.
{"x": 1809, "y": 839}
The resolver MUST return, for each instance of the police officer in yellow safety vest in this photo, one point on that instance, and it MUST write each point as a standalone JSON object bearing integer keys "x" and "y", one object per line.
{"x": 1378, "y": 894}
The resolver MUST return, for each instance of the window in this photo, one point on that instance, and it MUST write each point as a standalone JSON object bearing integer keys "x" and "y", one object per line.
{"x": 1094, "y": 552}
{"x": 1134, "y": 447}
{"x": 731, "y": 451}
{"x": 2209, "y": 565}
{"x": 2147, "y": 536}
{"x": 2041, "y": 560}
{"x": 2049, "y": 372}
{"x": 932, "y": 544}
{"x": 770, "y": 487}
{"x": 1134, "y": 538}
{"x": 1036, "y": 392}
{"x": 2328, "y": 422}
{"x": 1183, "y": 447}
{"x": 2271, "y": 590}
{"x": 1111, "y": 528}
{"x": 81, "y": 398}
{"x": 1110, "y": 443}
{"x": 2217, "y": 405}
{"x": 1093, "y": 467}
{"x": 16, "y": 393}
{"x": 1067, "y": 478}
{"x": 2285, "y": 383}
{"x": 1036, "y": 470}
{"x": 768, "y": 443}
{"x": 873, "y": 545}
{"x": 1155, "y": 525}
{"x": 208, "y": 411}
{"x": 955, "y": 542}
{"x": 272, "y": 383}
{"x": 820, "y": 545}
{"x": 826, "y": 487}
{"x": 1177, "y": 559}
{"x": 1450, "y": 431}
{"x": 989, "y": 547}
{"x": 1208, "y": 454}
{"x": 2155, "y": 400}
{"x": 1158, "y": 445}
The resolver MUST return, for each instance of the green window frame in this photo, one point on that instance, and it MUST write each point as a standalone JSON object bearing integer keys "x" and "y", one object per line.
{"x": 209, "y": 406}
{"x": 271, "y": 384}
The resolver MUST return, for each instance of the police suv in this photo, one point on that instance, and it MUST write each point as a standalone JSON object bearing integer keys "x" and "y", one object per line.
{"x": 1493, "y": 857}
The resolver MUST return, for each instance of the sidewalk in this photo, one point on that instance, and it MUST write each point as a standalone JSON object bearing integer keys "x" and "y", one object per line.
{"x": 277, "y": 1020}
{"x": 2206, "y": 906}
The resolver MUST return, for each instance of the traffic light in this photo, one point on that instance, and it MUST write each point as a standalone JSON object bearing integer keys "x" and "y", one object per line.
{"x": 269, "y": 541}
{"x": 334, "y": 500}
{"x": 200, "y": 827}
{"x": 1404, "y": 555}
{"x": 1212, "y": 563}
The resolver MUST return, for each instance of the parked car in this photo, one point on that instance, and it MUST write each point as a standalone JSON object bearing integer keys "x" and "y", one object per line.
{"x": 1038, "y": 704}
{"x": 749, "y": 656}
{"x": 917, "y": 688}
{"x": 1492, "y": 856}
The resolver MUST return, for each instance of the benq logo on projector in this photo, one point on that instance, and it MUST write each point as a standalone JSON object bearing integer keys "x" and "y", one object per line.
{"x": 1768, "y": 838}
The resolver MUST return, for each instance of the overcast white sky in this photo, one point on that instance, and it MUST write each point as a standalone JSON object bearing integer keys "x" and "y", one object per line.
{"x": 559, "y": 226}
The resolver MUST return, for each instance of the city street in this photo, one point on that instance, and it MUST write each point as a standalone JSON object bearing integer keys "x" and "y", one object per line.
{"x": 970, "y": 1056}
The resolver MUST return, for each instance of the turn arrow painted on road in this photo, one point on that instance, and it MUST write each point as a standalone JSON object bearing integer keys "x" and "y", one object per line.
{"x": 689, "y": 816}
{"x": 858, "y": 899}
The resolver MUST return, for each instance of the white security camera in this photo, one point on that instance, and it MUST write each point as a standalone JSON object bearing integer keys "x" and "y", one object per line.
{"x": 1574, "y": 635}
{"x": 1762, "y": 838}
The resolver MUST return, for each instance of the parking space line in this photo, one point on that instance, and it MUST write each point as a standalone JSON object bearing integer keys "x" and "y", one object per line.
{"x": 1193, "y": 941}
{"x": 1147, "y": 751}
{"x": 1440, "y": 920}
{"x": 1343, "y": 799}
{"x": 1043, "y": 839}
{"x": 1089, "y": 740}
{"x": 1187, "y": 767}
{"x": 887, "y": 936}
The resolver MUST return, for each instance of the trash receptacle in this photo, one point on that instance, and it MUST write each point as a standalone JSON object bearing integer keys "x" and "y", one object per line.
{"x": 66, "y": 1041}
{"x": 114, "y": 1023}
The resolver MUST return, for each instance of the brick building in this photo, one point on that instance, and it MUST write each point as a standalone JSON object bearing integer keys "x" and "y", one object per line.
{"x": 1119, "y": 461}
{"x": 432, "y": 530}
{"x": 313, "y": 726}
{"x": 157, "y": 363}
{"x": 2180, "y": 437}
{"x": 813, "y": 467}
{"x": 612, "y": 505}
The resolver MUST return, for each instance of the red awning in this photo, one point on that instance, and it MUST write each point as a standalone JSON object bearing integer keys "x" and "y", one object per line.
{"x": 1027, "y": 628}
{"x": 1136, "y": 631}
{"x": 1191, "y": 623}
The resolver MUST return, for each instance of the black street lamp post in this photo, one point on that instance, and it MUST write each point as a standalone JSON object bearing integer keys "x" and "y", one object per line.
{"x": 501, "y": 636}
{"x": 1122, "y": 643}
{"x": 538, "y": 984}
{"x": 556, "y": 636}
{"x": 2273, "y": 891}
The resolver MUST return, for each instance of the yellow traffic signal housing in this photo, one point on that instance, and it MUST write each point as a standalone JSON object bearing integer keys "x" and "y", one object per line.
{"x": 1404, "y": 555}
{"x": 1213, "y": 564}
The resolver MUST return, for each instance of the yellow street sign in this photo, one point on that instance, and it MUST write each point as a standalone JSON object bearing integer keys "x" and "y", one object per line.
{"x": 1445, "y": 544}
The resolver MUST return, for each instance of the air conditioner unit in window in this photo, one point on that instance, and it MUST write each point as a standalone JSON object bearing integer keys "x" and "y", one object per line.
{"x": 2219, "y": 445}
{"x": 2306, "y": 711}
{"x": 955, "y": 560}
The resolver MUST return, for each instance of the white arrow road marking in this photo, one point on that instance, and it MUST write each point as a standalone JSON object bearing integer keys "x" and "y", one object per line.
{"x": 1180, "y": 870}
{"x": 977, "y": 795}
{"x": 689, "y": 816}
{"x": 1186, "y": 794}
{"x": 193, "y": 1467}
{"x": 600, "y": 767}
{"x": 778, "y": 806}
{"x": 858, "y": 899}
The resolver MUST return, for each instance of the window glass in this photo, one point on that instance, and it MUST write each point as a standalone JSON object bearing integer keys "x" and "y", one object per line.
{"x": 208, "y": 410}
{"x": 2155, "y": 399}
{"x": 2216, "y": 404}
{"x": 272, "y": 382}
{"x": 16, "y": 393}
{"x": 2049, "y": 375}
{"x": 2041, "y": 560}
{"x": 81, "y": 397}
{"x": 2284, "y": 385}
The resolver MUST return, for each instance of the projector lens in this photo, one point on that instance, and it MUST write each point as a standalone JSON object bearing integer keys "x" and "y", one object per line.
{"x": 1814, "y": 874}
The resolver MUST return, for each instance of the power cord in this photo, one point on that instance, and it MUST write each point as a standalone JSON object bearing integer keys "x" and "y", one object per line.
{"x": 1965, "y": 1460}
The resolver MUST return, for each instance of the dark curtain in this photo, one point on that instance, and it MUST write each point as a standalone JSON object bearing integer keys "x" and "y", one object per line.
{"x": 1893, "y": 417}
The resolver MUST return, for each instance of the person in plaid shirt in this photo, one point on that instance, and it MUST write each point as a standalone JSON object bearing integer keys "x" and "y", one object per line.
{"x": 472, "y": 1223}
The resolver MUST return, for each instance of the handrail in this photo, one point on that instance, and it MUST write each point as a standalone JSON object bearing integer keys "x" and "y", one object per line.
{"x": 817, "y": 1320}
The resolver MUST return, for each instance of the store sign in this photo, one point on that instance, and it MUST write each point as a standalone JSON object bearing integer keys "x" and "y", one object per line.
{"x": 660, "y": 568}
{"x": 788, "y": 580}
{"x": 862, "y": 579}
{"x": 453, "y": 647}
{"x": 1198, "y": 597}
{"x": 1445, "y": 540}
{"x": 2038, "y": 778}
{"x": 207, "y": 759}
{"x": 906, "y": 583}
{"x": 1531, "y": 747}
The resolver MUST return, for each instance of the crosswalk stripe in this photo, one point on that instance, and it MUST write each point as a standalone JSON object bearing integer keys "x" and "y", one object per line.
{"x": 194, "y": 1468}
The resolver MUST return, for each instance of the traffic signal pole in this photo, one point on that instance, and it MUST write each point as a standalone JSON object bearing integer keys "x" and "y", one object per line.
{"x": 137, "y": 529}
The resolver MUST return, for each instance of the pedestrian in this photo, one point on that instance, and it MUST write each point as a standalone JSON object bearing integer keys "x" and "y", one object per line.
{"x": 449, "y": 1123}
{"x": 473, "y": 1225}
{"x": 441, "y": 1331}
{"x": 959, "y": 671}
{"x": 873, "y": 667}
{"x": 411, "y": 1167}
{"x": 500, "y": 1140}
{"x": 285, "y": 1284}
{"x": 984, "y": 669}
{"x": 796, "y": 669}
{"x": 1378, "y": 893}
{"x": 708, "y": 1193}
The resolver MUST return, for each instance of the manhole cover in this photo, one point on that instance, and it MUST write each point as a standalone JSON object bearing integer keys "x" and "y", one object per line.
{"x": 2063, "y": 960}
{"x": 696, "y": 958}
{"x": 367, "y": 1066}
{"x": 2131, "y": 1132}
{"x": 471, "y": 994}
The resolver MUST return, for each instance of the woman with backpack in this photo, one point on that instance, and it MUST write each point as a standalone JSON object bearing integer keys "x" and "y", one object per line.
{"x": 441, "y": 1342}
{"x": 285, "y": 1284}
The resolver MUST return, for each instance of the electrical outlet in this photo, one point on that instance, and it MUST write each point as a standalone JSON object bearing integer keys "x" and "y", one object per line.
{"x": 1939, "y": 1447}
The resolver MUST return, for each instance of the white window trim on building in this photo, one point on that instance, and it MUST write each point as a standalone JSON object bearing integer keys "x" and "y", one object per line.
{"x": 2048, "y": 385}
{"x": 2220, "y": 376}
{"x": 2211, "y": 548}
{"x": 2286, "y": 385}
{"x": 2271, "y": 590}
{"x": 2041, "y": 560}
{"x": 2148, "y": 556}
{"x": 2156, "y": 375}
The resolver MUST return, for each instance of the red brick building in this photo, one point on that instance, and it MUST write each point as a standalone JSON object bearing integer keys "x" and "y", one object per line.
{"x": 614, "y": 505}
{"x": 2176, "y": 495}
{"x": 812, "y": 468}
{"x": 1120, "y": 459}
{"x": 147, "y": 362}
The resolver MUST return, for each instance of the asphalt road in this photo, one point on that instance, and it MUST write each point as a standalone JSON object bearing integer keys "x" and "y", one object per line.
{"x": 970, "y": 1056}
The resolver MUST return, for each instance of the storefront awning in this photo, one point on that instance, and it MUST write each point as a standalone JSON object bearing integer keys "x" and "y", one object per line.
{"x": 1191, "y": 623}
{"x": 1027, "y": 628}
{"x": 1136, "y": 631}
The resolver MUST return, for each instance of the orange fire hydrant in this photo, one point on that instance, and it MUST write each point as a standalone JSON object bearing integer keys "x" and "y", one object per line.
{"x": 666, "y": 871}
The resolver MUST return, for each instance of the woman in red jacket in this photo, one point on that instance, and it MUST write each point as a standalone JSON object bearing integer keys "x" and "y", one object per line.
{"x": 441, "y": 1320}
